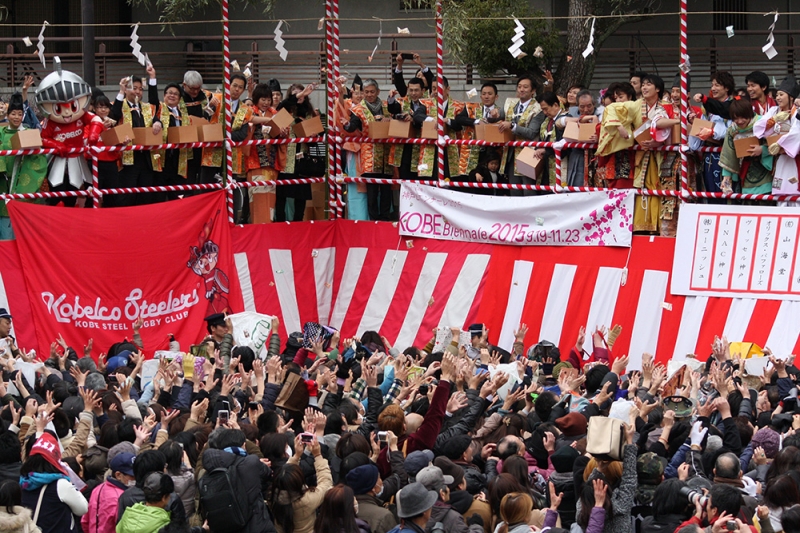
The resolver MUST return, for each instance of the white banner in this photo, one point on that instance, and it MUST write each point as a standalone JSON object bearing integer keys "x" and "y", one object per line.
{"x": 601, "y": 218}
{"x": 737, "y": 251}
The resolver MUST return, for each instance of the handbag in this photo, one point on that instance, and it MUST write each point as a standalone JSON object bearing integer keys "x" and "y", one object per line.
{"x": 605, "y": 438}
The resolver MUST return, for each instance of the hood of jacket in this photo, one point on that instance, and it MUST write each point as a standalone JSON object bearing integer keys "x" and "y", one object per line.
{"x": 16, "y": 521}
{"x": 140, "y": 518}
{"x": 460, "y": 501}
{"x": 213, "y": 458}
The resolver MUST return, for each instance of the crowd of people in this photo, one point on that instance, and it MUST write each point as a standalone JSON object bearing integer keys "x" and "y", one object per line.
{"x": 352, "y": 435}
{"x": 621, "y": 113}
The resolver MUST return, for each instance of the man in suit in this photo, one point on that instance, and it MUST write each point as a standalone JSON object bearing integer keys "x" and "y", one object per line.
{"x": 524, "y": 117}
{"x": 472, "y": 115}
{"x": 137, "y": 167}
{"x": 414, "y": 110}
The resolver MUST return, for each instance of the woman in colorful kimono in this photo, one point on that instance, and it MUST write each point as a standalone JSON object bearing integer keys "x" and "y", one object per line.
{"x": 754, "y": 171}
{"x": 356, "y": 192}
{"x": 615, "y": 161}
{"x": 779, "y": 121}
{"x": 647, "y": 210}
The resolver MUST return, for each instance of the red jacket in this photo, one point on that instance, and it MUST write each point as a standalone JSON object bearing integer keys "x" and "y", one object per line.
{"x": 599, "y": 355}
{"x": 425, "y": 437}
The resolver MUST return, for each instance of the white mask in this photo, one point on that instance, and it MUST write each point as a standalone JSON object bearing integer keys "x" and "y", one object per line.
{"x": 131, "y": 483}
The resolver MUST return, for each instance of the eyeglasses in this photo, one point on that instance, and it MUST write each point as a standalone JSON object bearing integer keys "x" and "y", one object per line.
{"x": 172, "y": 94}
{"x": 197, "y": 88}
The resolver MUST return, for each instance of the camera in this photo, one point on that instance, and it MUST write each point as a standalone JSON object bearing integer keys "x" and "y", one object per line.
{"x": 694, "y": 496}
{"x": 306, "y": 437}
{"x": 382, "y": 436}
{"x": 731, "y": 525}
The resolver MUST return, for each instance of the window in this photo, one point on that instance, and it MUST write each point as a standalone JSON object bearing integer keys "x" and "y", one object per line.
{"x": 730, "y": 13}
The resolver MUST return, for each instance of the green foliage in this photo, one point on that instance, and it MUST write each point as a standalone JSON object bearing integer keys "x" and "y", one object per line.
{"x": 179, "y": 10}
{"x": 472, "y": 38}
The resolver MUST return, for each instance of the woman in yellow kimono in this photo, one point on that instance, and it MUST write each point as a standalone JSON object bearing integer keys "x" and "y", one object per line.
{"x": 647, "y": 211}
{"x": 615, "y": 159}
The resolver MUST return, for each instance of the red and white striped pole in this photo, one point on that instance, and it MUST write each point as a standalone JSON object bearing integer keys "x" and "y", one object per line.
{"x": 338, "y": 154}
{"x": 684, "y": 100}
{"x": 331, "y": 94}
{"x": 97, "y": 194}
{"x": 226, "y": 53}
{"x": 440, "y": 145}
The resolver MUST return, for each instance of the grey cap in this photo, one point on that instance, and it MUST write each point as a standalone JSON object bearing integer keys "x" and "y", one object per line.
{"x": 414, "y": 499}
{"x": 433, "y": 478}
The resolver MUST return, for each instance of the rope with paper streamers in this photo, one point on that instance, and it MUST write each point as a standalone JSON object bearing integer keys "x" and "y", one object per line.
{"x": 769, "y": 48}
{"x": 136, "y": 47}
{"x": 590, "y": 46}
{"x": 518, "y": 40}
{"x": 380, "y": 35}
{"x": 40, "y": 44}
{"x": 279, "y": 42}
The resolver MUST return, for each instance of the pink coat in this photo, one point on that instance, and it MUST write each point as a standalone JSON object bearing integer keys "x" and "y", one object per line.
{"x": 102, "y": 515}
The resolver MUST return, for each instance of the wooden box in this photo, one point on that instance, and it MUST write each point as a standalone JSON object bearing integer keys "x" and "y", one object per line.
{"x": 146, "y": 137}
{"x": 26, "y": 139}
{"x": 743, "y": 145}
{"x": 401, "y": 129}
{"x": 182, "y": 134}
{"x": 207, "y": 132}
{"x": 529, "y": 164}
{"x": 118, "y": 135}
{"x": 379, "y": 129}
{"x": 642, "y": 133}
{"x": 491, "y": 133}
{"x": 309, "y": 127}
{"x": 429, "y": 130}
{"x": 700, "y": 124}
{"x": 279, "y": 122}
{"x": 579, "y": 131}
{"x": 772, "y": 139}
{"x": 676, "y": 134}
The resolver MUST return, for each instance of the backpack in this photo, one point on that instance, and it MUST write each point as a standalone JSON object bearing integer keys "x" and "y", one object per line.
{"x": 219, "y": 503}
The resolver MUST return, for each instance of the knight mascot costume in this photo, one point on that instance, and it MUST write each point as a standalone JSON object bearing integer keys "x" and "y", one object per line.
{"x": 62, "y": 97}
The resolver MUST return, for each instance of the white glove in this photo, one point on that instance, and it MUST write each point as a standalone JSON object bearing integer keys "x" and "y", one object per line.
{"x": 698, "y": 433}
{"x": 429, "y": 119}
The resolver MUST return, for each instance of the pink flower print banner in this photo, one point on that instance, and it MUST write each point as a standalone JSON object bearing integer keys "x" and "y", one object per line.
{"x": 602, "y": 218}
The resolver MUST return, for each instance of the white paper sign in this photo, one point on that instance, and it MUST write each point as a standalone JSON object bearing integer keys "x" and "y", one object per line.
{"x": 737, "y": 251}
{"x": 577, "y": 219}
{"x": 444, "y": 337}
{"x": 253, "y": 330}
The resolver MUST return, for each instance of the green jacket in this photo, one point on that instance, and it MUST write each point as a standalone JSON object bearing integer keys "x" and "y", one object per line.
{"x": 140, "y": 518}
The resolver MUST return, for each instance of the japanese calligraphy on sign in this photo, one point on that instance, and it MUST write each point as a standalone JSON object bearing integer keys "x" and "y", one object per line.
{"x": 737, "y": 251}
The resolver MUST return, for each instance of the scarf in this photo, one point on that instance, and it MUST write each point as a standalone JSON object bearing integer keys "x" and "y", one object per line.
{"x": 376, "y": 109}
{"x": 37, "y": 480}
{"x": 235, "y": 450}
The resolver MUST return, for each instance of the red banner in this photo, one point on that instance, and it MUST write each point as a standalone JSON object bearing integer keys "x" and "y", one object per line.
{"x": 92, "y": 273}
{"x": 14, "y": 296}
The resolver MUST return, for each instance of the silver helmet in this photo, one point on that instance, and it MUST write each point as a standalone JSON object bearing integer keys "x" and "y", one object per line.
{"x": 61, "y": 86}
